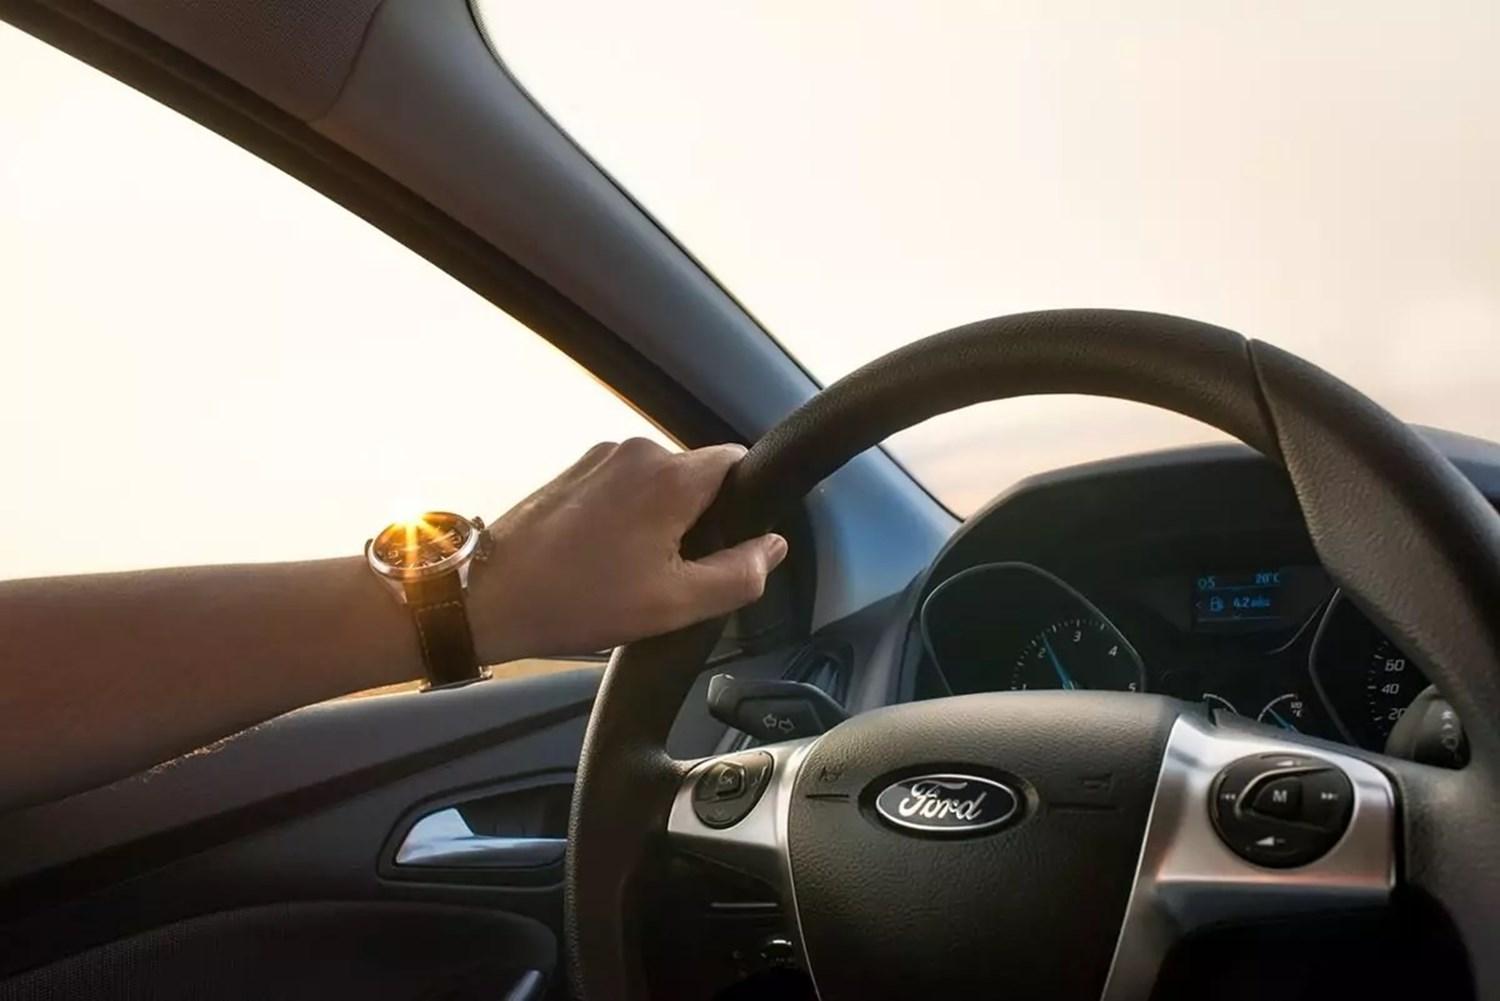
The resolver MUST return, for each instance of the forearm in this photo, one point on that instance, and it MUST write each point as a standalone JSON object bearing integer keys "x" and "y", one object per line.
{"x": 107, "y": 675}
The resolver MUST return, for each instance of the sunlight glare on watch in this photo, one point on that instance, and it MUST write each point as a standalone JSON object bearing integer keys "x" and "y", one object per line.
{"x": 423, "y": 540}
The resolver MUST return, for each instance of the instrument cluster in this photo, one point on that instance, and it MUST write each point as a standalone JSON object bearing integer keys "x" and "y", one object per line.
{"x": 1278, "y": 644}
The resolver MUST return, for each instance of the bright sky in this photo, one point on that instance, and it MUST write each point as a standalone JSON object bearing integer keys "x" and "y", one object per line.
{"x": 207, "y": 361}
{"x": 200, "y": 353}
{"x": 1323, "y": 176}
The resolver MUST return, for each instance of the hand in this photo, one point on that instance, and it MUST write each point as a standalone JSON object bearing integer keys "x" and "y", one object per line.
{"x": 593, "y": 559}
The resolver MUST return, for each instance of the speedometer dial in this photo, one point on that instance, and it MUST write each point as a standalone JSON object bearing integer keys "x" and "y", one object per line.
{"x": 1078, "y": 652}
{"x": 1391, "y": 682}
{"x": 1365, "y": 681}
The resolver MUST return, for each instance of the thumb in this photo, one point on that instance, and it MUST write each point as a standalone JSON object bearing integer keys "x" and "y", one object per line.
{"x": 733, "y": 577}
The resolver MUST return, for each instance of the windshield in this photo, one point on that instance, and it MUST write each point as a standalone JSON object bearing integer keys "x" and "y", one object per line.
{"x": 1320, "y": 176}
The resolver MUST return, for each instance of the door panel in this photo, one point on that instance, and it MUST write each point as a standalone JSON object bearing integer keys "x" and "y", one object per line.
{"x": 243, "y": 850}
{"x": 311, "y": 951}
{"x": 304, "y": 808}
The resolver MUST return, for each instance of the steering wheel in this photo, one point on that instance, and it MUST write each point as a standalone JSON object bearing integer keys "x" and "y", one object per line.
{"x": 1111, "y": 855}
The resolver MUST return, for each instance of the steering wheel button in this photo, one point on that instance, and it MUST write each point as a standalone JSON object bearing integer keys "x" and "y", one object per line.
{"x": 719, "y": 814}
{"x": 1270, "y": 844}
{"x": 1282, "y": 851}
{"x": 757, "y": 771}
{"x": 1280, "y": 810}
{"x": 728, "y": 781}
{"x": 728, "y": 789}
{"x": 1282, "y": 762}
{"x": 1327, "y": 799}
{"x": 1279, "y": 798}
{"x": 721, "y": 780}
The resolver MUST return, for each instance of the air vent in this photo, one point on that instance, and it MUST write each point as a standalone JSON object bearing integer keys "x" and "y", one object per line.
{"x": 824, "y": 666}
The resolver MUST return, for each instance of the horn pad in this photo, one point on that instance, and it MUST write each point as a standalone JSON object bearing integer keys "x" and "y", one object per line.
{"x": 912, "y": 881}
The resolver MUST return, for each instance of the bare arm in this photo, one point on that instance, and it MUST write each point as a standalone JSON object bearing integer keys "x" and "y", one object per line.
{"x": 110, "y": 674}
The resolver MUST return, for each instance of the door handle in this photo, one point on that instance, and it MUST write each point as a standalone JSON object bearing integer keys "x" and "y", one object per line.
{"x": 445, "y": 840}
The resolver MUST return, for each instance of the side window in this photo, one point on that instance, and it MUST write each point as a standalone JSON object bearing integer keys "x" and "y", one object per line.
{"x": 197, "y": 347}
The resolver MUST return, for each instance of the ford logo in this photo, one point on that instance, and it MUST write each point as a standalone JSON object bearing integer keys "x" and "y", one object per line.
{"x": 947, "y": 804}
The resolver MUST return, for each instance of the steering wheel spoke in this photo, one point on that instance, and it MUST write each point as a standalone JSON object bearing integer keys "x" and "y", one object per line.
{"x": 1193, "y": 872}
{"x": 732, "y": 810}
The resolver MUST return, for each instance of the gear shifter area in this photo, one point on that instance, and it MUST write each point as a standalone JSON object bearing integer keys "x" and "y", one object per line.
{"x": 773, "y": 711}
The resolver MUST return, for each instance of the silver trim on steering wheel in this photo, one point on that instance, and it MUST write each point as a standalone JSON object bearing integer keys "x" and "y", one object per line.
{"x": 757, "y": 845}
{"x": 1187, "y": 878}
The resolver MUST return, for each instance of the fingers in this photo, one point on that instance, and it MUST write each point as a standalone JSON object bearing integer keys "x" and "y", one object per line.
{"x": 633, "y": 455}
{"x": 699, "y": 475}
{"x": 680, "y": 485}
{"x": 733, "y": 577}
{"x": 589, "y": 461}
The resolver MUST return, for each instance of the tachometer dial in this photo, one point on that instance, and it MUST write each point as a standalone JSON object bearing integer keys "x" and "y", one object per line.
{"x": 1079, "y": 652}
{"x": 1391, "y": 682}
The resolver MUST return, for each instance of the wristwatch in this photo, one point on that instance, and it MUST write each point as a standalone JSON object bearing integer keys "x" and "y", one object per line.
{"x": 426, "y": 564}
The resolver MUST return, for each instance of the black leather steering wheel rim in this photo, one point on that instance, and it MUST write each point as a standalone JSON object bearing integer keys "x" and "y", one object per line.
{"x": 1395, "y": 524}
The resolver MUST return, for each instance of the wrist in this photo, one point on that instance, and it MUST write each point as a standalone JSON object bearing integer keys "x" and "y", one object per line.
{"x": 500, "y": 628}
{"x": 431, "y": 564}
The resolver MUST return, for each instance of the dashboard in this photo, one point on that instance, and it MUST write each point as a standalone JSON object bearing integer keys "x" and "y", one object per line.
{"x": 1188, "y": 573}
{"x": 1277, "y": 644}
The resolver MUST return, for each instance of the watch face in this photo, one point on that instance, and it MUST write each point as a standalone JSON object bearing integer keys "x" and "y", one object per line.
{"x": 421, "y": 543}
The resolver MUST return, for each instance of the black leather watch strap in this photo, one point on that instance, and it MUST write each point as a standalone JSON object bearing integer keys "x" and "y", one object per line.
{"x": 441, "y": 615}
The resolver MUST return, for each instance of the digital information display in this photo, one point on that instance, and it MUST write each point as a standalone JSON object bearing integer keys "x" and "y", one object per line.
{"x": 1252, "y": 598}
